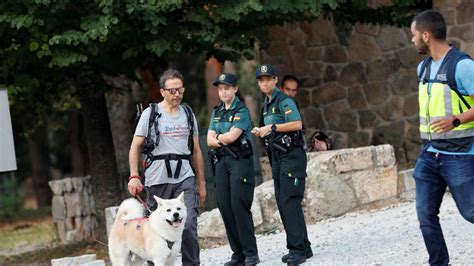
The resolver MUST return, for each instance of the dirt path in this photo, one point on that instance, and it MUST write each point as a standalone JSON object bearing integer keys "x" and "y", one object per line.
{"x": 388, "y": 236}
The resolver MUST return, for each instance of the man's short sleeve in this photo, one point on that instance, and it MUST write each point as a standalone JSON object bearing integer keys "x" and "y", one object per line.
{"x": 196, "y": 129}
{"x": 142, "y": 126}
{"x": 241, "y": 119}
{"x": 464, "y": 76}
{"x": 289, "y": 110}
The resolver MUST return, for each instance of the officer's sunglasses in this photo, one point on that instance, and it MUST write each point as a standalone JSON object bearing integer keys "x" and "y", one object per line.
{"x": 174, "y": 90}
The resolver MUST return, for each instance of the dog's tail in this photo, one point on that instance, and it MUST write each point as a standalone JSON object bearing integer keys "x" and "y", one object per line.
{"x": 130, "y": 209}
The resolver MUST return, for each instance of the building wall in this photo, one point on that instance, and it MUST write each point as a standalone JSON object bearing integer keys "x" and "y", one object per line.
{"x": 359, "y": 82}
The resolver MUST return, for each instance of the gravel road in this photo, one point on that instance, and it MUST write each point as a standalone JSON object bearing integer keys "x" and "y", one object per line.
{"x": 388, "y": 236}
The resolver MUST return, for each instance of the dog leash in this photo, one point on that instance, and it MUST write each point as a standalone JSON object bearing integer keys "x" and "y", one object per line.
{"x": 142, "y": 202}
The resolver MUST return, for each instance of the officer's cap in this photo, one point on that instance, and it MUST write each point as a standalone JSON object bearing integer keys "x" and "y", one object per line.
{"x": 225, "y": 78}
{"x": 266, "y": 70}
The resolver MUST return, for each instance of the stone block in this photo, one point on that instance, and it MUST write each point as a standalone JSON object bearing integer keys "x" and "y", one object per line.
{"x": 57, "y": 187}
{"x": 73, "y": 204}
{"x": 391, "y": 38}
{"x": 404, "y": 82}
{"x": 326, "y": 195}
{"x": 210, "y": 224}
{"x": 392, "y": 109}
{"x": 265, "y": 194}
{"x": 410, "y": 105}
{"x": 348, "y": 160}
{"x": 407, "y": 181}
{"x": 257, "y": 216}
{"x": 266, "y": 169}
{"x": 463, "y": 13}
{"x": 373, "y": 185}
{"x": 358, "y": 139}
{"x": 68, "y": 187}
{"x": 328, "y": 93}
{"x": 62, "y": 261}
{"x": 335, "y": 54}
{"x": 376, "y": 92}
{"x": 367, "y": 29}
{"x": 352, "y": 74}
{"x": 408, "y": 57}
{"x": 379, "y": 70}
{"x": 58, "y": 208}
{"x": 61, "y": 229}
{"x": 110, "y": 214}
{"x": 314, "y": 118}
{"x": 367, "y": 119}
{"x": 71, "y": 235}
{"x": 330, "y": 74}
{"x": 323, "y": 32}
{"x": 384, "y": 155}
{"x": 314, "y": 53}
{"x": 94, "y": 263}
{"x": 393, "y": 133}
{"x": 464, "y": 32}
{"x": 356, "y": 98}
{"x": 77, "y": 183}
{"x": 363, "y": 47}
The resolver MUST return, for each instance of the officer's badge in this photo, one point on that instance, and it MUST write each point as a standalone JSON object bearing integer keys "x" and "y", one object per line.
{"x": 236, "y": 118}
{"x": 288, "y": 112}
{"x": 221, "y": 77}
{"x": 264, "y": 69}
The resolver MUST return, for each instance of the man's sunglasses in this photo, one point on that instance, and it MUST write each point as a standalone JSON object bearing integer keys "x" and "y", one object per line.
{"x": 174, "y": 90}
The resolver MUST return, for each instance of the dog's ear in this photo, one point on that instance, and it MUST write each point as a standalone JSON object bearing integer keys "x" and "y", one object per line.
{"x": 159, "y": 201}
{"x": 181, "y": 197}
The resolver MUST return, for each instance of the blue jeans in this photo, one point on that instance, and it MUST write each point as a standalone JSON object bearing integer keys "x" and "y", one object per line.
{"x": 433, "y": 173}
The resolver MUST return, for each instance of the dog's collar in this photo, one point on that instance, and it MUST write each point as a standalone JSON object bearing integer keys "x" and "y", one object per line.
{"x": 169, "y": 243}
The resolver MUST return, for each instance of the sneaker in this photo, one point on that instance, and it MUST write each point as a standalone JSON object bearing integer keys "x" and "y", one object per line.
{"x": 253, "y": 260}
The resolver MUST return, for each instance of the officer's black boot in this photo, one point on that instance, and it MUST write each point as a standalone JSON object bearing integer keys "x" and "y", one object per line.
{"x": 253, "y": 260}
{"x": 295, "y": 259}
{"x": 235, "y": 262}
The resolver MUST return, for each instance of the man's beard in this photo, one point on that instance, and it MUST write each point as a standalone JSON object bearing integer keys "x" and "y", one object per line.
{"x": 423, "y": 48}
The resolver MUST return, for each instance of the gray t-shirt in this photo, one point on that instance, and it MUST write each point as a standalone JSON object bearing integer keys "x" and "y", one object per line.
{"x": 174, "y": 134}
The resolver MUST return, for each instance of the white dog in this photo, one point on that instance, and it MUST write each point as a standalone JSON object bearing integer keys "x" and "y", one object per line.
{"x": 157, "y": 238}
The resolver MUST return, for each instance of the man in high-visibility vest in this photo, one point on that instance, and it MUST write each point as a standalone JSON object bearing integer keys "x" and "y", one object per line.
{"x": 446, "y": 99}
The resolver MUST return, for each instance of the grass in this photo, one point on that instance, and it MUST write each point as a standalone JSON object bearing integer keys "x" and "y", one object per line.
{"x": 30, "y": 238}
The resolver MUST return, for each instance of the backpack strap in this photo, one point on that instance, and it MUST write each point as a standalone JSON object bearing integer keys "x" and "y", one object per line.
{"x": 456, "y": 56}
{"x": 190, "y": 118}
{"x": 153, "y": 122}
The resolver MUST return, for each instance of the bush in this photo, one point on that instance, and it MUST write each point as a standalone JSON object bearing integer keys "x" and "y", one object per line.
{"x": 11, "y": 197}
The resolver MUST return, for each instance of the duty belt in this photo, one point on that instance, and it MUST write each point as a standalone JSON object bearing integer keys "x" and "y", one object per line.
{"x": 167, "y": 158}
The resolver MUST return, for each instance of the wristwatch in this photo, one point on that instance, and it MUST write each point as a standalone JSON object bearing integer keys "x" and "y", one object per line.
{"x": 274, "y": 128}
{"x": 456, "y": 122}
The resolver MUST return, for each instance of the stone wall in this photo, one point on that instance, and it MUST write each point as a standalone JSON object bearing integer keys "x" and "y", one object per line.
{"x": 359, "y": 82}
{"x": 338, "y": 182}
{"x": 73, "y": 208}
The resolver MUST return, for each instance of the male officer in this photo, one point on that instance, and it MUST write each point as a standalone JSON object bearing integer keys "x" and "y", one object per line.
{"x": 281, "y": 128}
{"x": 290, "y": 85}
{"x": 446, "y": 100}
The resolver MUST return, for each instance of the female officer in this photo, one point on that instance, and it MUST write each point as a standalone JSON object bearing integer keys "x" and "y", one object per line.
{"x": 281, "y": 129}
{"x": 234, "y": 171}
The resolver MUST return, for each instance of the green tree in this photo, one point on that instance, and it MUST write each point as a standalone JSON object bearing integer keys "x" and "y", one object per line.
{"x": 49, "y": 46}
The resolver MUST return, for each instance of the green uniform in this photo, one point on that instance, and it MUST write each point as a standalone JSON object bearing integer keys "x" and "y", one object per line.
{"x": 288, "y": 170}
{"x": 235, "y": 180}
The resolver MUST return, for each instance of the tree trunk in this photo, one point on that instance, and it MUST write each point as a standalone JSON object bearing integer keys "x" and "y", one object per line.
{"x": 77, "y": 155}
{"x": 38, "y": 154}
{"x": 213, "y": 68}
{"x": 103, "y": 167}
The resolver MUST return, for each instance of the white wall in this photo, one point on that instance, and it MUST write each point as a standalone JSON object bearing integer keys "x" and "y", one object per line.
{"x": 7, "y": 148}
